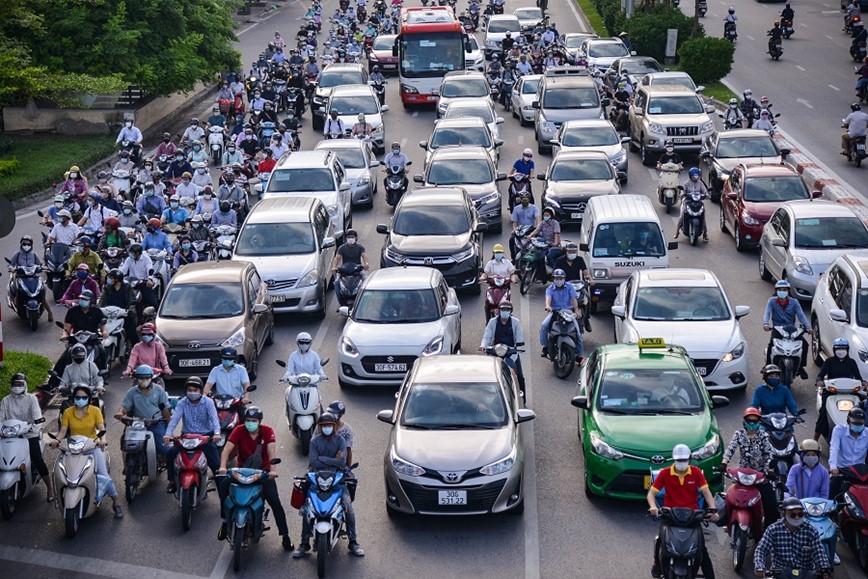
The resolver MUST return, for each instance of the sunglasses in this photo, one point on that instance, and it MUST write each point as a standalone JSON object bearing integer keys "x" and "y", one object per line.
{"x": 304, "y": 342}
{"x": 81, "y": 397}
{"x": 796, "y": 514}
{"x": 751, "y": 421}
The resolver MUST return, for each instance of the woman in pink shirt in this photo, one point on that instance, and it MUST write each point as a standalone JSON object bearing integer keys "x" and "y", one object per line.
{"x": 149, "y": 351}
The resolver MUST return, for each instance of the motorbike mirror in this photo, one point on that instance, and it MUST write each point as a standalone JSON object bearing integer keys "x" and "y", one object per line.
{"x": 387, "y": 416}
{"x": 161, "y": 406}
{"x": 534, "y": 104}
{"x": 741, "y": 311}
{"x": 275, "y": 461}
{"x": 672, "y": 245}
{"x": 251, "y": 388}
{"x": 417, "y": 178}
{"x": 354, "y": 466}
{"x": 382, "y": 229}
{"x": 541, "y": 176}
{"x": 605, "y": 102}
{"x": 501, "y": 177}
{"x": 344, "y": 311}
{"x": 719, "y": 402}
{"x": 619, "y": 311}
{"x": 150, "y": 272}
{"x": 59, "y": 324}
{"x": 280, "y": 363}
{"x": 9, "y": 261}
{"x": 40, "y": 213}
{"x": 100, "y": 433}
{"x": 802, "y": 411}
{"x": 524, "y": 415}
{"x": 51, "y": 435}
{"x": 580, "y": 402}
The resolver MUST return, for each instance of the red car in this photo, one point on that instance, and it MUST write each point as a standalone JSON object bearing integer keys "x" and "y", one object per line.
{"x": 750, "y": 196}
{"x": 381, "y": 54}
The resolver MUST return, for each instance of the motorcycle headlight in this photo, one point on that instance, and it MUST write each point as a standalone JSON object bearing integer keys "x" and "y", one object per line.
{"x": 779, "y": 422}
{"x": 707, "y": 127}
{"x": 463, "y": 255}
{"x": 348, "y": 347}
{"x": 379, "y": 130}
{"x": 501, "y": 466}
{"x": 401, "y": 466}
{"x": 708, "y": 449}
{"x": 138, "y": 425}
{"x": 749, "y": 219}
{"x": 815, "y": 509}
{"x": 656, "y": 128}
{"x": 854, "y": 508}
{"x": 9, "y": 432}
{"x": 603, "y": 449}
{"x": 309, "y": 279}
{"x": 324, "y": 483}
{"x": 746, "y": 479}
{"x": 735, "y": 353}
{"x": 434, "y": 347}
{"x": 234, "y": 340}
{"x": 802, "y": 265}
{"x": 244, "y": 479}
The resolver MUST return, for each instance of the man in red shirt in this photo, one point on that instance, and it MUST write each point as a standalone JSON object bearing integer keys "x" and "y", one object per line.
{"x": 682, "y": 483}
{"x": 256, "y": 446}
{"x": 267, "y": 164}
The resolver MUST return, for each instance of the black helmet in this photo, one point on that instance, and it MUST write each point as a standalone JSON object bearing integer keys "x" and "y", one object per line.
{"x": 770, "y": 369}
{"x": 83, "y": 387}
{"x": 253, "y": 413}
{"x": 228, "y": 353}
{"x": 225, "y": 206}
{"x": 78, "y": 353}
{"x": 570, "y": 245}
{"x": 856, "y": 414}
{"x": 116, "y": 275}
{"x": 351, "y": 233}
{"x": 855, "y": 107}
{"x": 19, "y": 377}
{"x": 327, "y": 417}
{"x": 337, "y": 408}
{"x": 85, "y": 240}
{"x": 791, "y": 503}
{"x": 135, "y": 248}
{"x": 194, "y": 381}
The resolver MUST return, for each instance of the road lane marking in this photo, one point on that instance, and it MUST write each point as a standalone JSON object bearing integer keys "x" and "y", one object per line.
{"x": 221, "y": 567}
{"x": 804, "y": 102}
{"x": 829, "y": 37}
{"x": 751, "y": 37}
{"x": 800, "y": 68}
{"x": 403, "y": 142}
{"x": 415, "y": 113}
{"x": 803, "y": 25}
{"x": 521, "y": 139}
{"x": 830, "y": 12}
{"x": 833, "y": 87}
{"x": 531, "y": 515}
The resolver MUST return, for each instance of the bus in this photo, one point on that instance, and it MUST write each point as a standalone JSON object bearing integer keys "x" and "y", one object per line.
{"x": 430, "y": 43}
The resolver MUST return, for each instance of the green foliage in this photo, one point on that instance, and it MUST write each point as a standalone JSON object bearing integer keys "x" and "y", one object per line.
{"x": 706, "y": 60}
{"x": 593, "y": 15}
{"x": 34, "y": 366}
{"x": 9, "y": 166}
{"x": 648, "y": 29}
{"x": 613, "y": 18}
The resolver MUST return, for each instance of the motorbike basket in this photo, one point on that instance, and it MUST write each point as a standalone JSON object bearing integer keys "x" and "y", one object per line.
{"x": 296, "y": 499}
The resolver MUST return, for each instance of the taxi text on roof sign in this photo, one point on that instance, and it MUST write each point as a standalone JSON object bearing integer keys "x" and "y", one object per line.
{"x": 651, "y": 343}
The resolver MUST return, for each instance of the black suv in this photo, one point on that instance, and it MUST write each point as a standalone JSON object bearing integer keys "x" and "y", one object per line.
{"x": 436, "y": 227}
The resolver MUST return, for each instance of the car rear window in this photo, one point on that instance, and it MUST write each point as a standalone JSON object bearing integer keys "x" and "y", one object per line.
{"x": 581, "y": 170}
{"x": 774, "y": 189}
{"x": 675, "y": 105}
{"x": 571, "y": 98}
{"x": 590, "y": 137}
{"x": 298, "y": 180}
{"x": 830, "y": 233}
{"x": 465, "y": 87}
{"x": 464, "y": 136}
{"x": 336, "y": 78}
{"x": 682, "y": 304}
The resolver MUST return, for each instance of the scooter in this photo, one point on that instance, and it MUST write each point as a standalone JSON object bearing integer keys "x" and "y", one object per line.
{"x": 776, "y": 49}
{"x": 57, "y": 256}
{"x": 729, "y": 31}
{"x": 227, "y": 413}
{"x": 519, "y": 185}
{"x": 79, "y": 493}
{"x": 694, "y": 217}
{"x": 192, "y": 475}
{"x": 26, "y": 294}
{"x": 216, "y": 137}
{"x": 786, "y": 352}
{"x": 744, "y": 511}
{"x": 324, "y": 509}
{"x": 225, "y": 240}
{"x": 395, "y": 182}
{"x": 703, "y": 8}
{"x": 844, "y": 395}
{"x": 122, "y": 181}
{"x": 246, "y": 514}
{"x": 857, "y": 151}
{"x": 820, "y": 513}
{"x": 497, "y": 293}
{"x": 115, "y": 344}
{"x": 787, "y": 26}
{"x": 531, "y": 254}
{"x": 303, "y": 405}
{"x": 852, "y": 517}
{"x": 563, "y": 342}
{"x": 509, "y": 355}
{"x": 140, "y": 452}
{"x": 17, "y": 477}
{"x": 668, "y": 185}
{"x": 113, "y": 257}
{"x": 583, "y": 291}
{"x": 204, "y": 249}
{"x": 779, "y": 427}
{"x": 349, "y": 281}
{"x": 160, "y": 269}
{"x": 379, "y": 90}
{"x": 681, "y": 542}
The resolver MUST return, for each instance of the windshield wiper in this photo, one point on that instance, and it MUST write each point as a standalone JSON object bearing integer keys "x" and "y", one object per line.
{"x": 664, "y": 411}
{"x": 417, "y": 426}
{"x": 466, "y": 426}
{"x": 615, "y": 411}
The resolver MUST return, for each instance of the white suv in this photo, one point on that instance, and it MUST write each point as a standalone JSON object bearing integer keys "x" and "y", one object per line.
{"x": 840, "y": 309}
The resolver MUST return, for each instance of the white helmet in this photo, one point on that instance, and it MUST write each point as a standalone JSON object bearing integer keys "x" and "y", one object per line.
{"x": 303, "y": 337}
{"x": 681, "y": 452}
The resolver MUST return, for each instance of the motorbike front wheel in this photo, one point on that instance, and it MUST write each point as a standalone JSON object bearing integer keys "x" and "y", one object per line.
{"x": 693, "y": 233}
{"x": 739, "y": 547}
{"x": 71, "y": 522}
{"x": 131, "y": 482}
{"x": 33, "y": 319}
{"x": 322, "y": 551}
{"x": 565, "y": 360}
{"x": 187, "y": 508}
{"x": 237, "y": 547}
{"x": 7, "y": 503}
{"x": 57, "y": 290}
{"x": 788, "y": 372}
{"x": 528, "y": 272}
{"x": 304, "y": 436}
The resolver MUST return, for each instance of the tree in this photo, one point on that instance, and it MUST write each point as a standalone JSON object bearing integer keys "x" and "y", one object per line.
{"x": 706, "y": 60}
{"x": 648, "y": 28}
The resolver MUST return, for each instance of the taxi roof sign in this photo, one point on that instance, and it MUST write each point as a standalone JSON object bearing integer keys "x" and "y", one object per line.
{"x": 651, "y": 343}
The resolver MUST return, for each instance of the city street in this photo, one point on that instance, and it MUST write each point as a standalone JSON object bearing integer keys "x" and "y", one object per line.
{"x": 562, "y": 534}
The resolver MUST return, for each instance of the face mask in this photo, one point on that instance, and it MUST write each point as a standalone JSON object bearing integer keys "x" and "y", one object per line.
{"x": 18, "y": 389}
{"x": 251, "y": 425}
{"x": 174, "y": 204}
{"x": 796, "y": 522}
{"x": 560, "y": 282}
{"x": 228, "y": 363}
{"x": 670, "y": 150}
{"x": 248, "y": 137}
{"x": 396, "y": 152}
{"x": 201, "y": 171}
{"x": 59, "y": 204}
{"x": 751, "y": 425}
{"x": 694, "y": 178}
{"x": 773, "y": 381}
{"x": 196, "y": 147}
{"x": 73, "y": 175}
{"x": 128, "y": 211}
{"x": 84, "y": 303}
{"x": 26, "y": 247}
{"x": 125, "y": 160}
{"x": 165, "y": 140}
{"x": 328, "y": 430}
{"x": 547, "y": 217}
{"x": 148, "y": 338}
{"x": 841, "y": 354}
{"x": 144, "y": 383}
{"x": 682, "y": 465}
{"x": 857, "y": 428}
{"x": 351, "y": 240}
{"x": 498, "y": 256}
{"x": 733, "y": 106}
{"x": 504, "y": 314}
{"x": 572, "y": 256}
{"x": 82, "y": 275}
{"x": 304, "y": 347}
{"x": 186, "y": 246}
{"x": 526, "y": 159}
{"x": 179, "y": 158}
{"x": 129, "y": 124}
{"x": 810, "y": 461}
{"x": 782, "y": 294}
{"x": 80, "y": 402}
{"x": 149, "y": 192}
{"x": 185, "y": 181}
{"x": 194, "y": 396}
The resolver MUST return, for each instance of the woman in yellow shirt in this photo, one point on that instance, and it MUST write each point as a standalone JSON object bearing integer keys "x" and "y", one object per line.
{"x": 85, "y": 419}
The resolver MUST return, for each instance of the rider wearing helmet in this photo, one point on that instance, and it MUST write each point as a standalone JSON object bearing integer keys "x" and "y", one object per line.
{"x": 21, "y": 405}
{"x": 85, "y": 255}
{"x": 808, "y": 478}
{"x": 155, "y": 238}
{"x": 524, "y": 165}
{"x": 856, "y": 124}
{"x": 119, "y": 294}
{"x": 575, "y": 268}
{"x": 149, "y": 401}
{"x": 26, "y": 257}
{"x": 693, "y": 189}
{"x": 397, "y": 157}
{"x": 225, "y": 216}
{"x": 505, "y": 329}
{"x": 343, "y": 429}
{"x": 303, "y": 360}
{"x": 84, "y": 316}
{"x": 669, "y": 155}
{"x": 733, "y": 116}
{"x": 841, "y": 365}
{"x": 112, "y": 235}
{"x": 499, "y": 265}
{"x": 785, "y": 543}
{"x": 848, "y": 446}
{"x": 333, "y": 125}
{"x": 560, "y": 296}
{"x": 781, "y": 310}
{"x": 772, "y": 396}
{"x": 149, "y": 351}
{"x": 350, "y": 253}
{"x": 362, "y": 128}
{"x": 80, "y": 370}
{"x": 229, "y": 379}
{"x": 749, "y": 107}
{"x": 199, "y": 416}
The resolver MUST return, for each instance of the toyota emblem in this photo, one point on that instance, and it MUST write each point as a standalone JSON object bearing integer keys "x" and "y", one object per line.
{"x": 270, "y": 282}
{"x": 657, "y": 459}
{"x": 194, "y": 345}
{"x": 429, "y": 261}
{"x": 452, "y": 477}
{"x": 390, "y": 359}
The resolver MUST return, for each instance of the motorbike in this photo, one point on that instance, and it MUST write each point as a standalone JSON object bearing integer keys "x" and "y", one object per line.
{"x": 324, "y": 509}
{"x": 494, "y": 84}
{"x": 787, "y": 27}
{"x": 160, "y": 273}
{"x": 779, "y": 427}
{"x": 743, "y": 511}
{"x": 681, "y": 542}
{"x": 694, "y": 217}
{"x": 303, "y": 405}
{"x": 858, "y": 50}
{"x": 583, "y": 291}
{"x": 497, "y": 293}
{"x": 730, "y": 122}
{"x": 349, "y": 282}
{"x": 776, "y": 49}
{"x": 122, "y": 180}
{"x": 26, "y": 294}
{"x": 820, "y": 514}
{"x": 380, "y": 90}
{"x": 703, "y": 8}
{"x": 506, "y": 94}
{"x": 57, "y": 256}
{"x": 563, "y": 342}
{"x": 225, "y": 240}
{"x": 857, "y": 150}
{"x": 115, "y": 344}
{"x": 266, "y": 129}
{"x": 204, "y": 249}
{"x": 216, "y": 137}
{"x": 17, "y": 477}
{"x": 395, "y": 182}
{"x": 508, "y": 354}
{"x": 729, "y": 31}
{"x": 852, "y": 520}
{"x": 228, "y": 409}
{"x": 532, "y": 253}
{"x": 246, "y": 514}
{"x": 844, "y": 395}
{"x": 786, "y": 352}
{"x": 519, "y": 185}
{"x": 192, "y": 475}
{"x": 140, "y": 452}
{"x": 668, "y": 185}
{"x": 113, "y": 257}
{"x": 79, "y": 490}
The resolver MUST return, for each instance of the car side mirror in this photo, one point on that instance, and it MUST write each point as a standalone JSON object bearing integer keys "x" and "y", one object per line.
{"x": 699, "y": 89}
{"x": 817, "y": 194}
{"x": 328, "y": 242}
{"x": 535, "y": 104}
{"x": 672, "y": 245}
{"x": 625, "y": 140}
{"x": 732, "y": 195}
{"x": 345, "y": 186}
{"x": 384, "y": 109}
{"x": 710, "y": 109}
{"x": 719, "y": 402}
{"x": 374, "y": 164}
{"x": 580, "y": 402}
{"x": 453, "y": 309}
{"x": 541, "y": 176}
{"x": 382, "y": 229}
{"x": 501, "y": 177}
{"x": 260, "y": 309}
{"x": 619, "y": 312}
{"x": 524, "y": 415}
{"x": 498, "y": 121}
{"x": 417, "y": 178}
{"x": 344, "y": 311}
{"x": 387, "y": 416}
{"x": 838, "y": 315}
{"x": 423, "y": 144}
{"x": 498, "y": 142}
{"x": 632, "y": 53}
{"x": 480, "y": 227}
{"x": 584, "y": 247}
{"x": 741, "y": 311}
{"x": 778, "y": 242}
{"x": 605, "y": 102}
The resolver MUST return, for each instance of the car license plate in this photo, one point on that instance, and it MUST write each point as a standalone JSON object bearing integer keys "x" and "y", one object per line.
{"x": 647, "y": 482}
{"x": 194, "y": 363}
{"x": 278, "y": 298}
{"x": 575, "y": 215}
{"x": 390, "y": 367}
{"x": 702, "y": 370}
{"x": 432, "y": 98}
{"x": 682, "y": 140}
{"x": 451, "y": 497}
{"x": 136, "y": 435}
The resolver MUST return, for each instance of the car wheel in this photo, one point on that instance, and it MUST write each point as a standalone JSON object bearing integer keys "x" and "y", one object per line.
{"x": 763, "y": 271}
{"x": 631, "y": 144}
{"x": 716, "y": 190}
{"x": 269, "y": 338}
{"x": 739, "y": 244}
{"x": 253, "y": 365}
{"x": 643, "y": 152}
{"x": 722, "y": 220}
{"x": 541, "y": 149}
{"x": 320, "y": 314}
{"x": 816, "y": 348}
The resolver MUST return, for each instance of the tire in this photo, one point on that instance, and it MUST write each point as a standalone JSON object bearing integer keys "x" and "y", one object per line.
{"x": 716, "y": 191}
{"x": 304, "y": 436}
{"x": 528, "y": 274}
{"x": 322, "y": 551}
{"x": 631, "y": 144}
{"x": 643, "y": 153}
{"x": 269, "y": 339}
{"x": 694, "y": 235}
{"x": 187, "y": 508}
{"x": 816, "y": 350}
{"x": 320, "y": 314}
{"x": 739, "y": 245}
{"x": 739, "y": 548}
{"x": 565, "y": 362}
{"x": 253, "y": 365}
{"x": 7, "y": 503}
{"x": 57, "y": 291}
{"x": 763, "y": 271}
{"x": 722, "y": 220}
{"x": 237, "y": 547}
{"x": 788, "y": 372}
{"x": 541, "y": 149}
{"x": 131, "y": 487}
{"x": 863, "y": 556}
{"x": 70, "y": 518}
{"x": 33, "y": 319}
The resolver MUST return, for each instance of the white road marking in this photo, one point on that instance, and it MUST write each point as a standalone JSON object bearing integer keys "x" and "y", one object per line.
{"x": 829, "y": 37}
{"x": 804, "y": 102}
{"x": 833, "y": 87}
{"x": 415, "y": 113}
{"x": 830, "y": 12}
{"x": 403, "y": 142}
{"x": 221, "y": 567}
{"x": 800, "y": 68}
{"x": 751, "y": 37}
{"x": 521, "y": 139}
{"x": 715, "y": 14}
{"x": 531, "y": 515}
{"x": 803, "y": 25}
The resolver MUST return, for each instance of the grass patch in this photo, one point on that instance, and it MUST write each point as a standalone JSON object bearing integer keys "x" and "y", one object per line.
{"x": 717, "y": 90}
{"x": 594, "y": 18}
{"x": 34, "y": 366}
{"x": 44, "y": 158}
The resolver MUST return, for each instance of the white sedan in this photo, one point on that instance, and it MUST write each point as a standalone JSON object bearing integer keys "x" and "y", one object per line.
{"x": 399, "y": 315}
{"x": 687, "y": 307}
{"x": 482, "y": 108}
{"x": 523, "y": 95}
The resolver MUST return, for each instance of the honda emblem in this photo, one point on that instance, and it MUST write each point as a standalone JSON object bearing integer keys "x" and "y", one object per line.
{"x": 429, "y": 261}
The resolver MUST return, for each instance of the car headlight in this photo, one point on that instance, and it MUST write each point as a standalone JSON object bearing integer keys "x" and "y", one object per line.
{"x": 401, "y": 466}
{"x": 863, "y": 355}
{"x": 547, "y": 127}
{"x": 551, "y": 201}
{"x": 709, "y": 449}
{"x": 408, "y": 89}
{"x": 441, "y": 108}
{"x": 348, "y": 347}
{"x": 603, "y": 449}
{"x": 393, "y": 255}
{"x": 372, "y": 57}
{"x": 463, "y": 255}
{"x": 735, "y": 353}
{"x": 363, "y": 180}
{"x": 501, "y": 466}
{"x": 318, "y": 100}
{"x": 434, "y": 347}
{"x": 601, "y": 274}
{"x": 490, "y": 198}
{"x": 802, "y": 265}
{"x": 234, "y": 340}
{"x": 749, "y": 219}
{"x": 309, "y": 279}
{"x": 655, "y": 128}
{"x": 618, "y": 158}
{"x": 707, "y": 127}
{"x": 332, "y": 209}
{"x": 479, "y": 61}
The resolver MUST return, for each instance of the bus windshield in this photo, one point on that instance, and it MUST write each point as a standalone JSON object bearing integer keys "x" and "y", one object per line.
{"x": 432, "y": 54}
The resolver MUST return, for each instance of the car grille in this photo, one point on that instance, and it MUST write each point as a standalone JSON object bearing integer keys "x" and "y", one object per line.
{"x": 682, "y": 131}
{"x": 369, "y": 362}
{"x": 705, "y": 366}
{"x": 578, "y": 206}
{"x": 436, "y": 261}
{"x": 480, "y": 498}
{"x": 631, "y": 481}
{"x": 280, "y": 284}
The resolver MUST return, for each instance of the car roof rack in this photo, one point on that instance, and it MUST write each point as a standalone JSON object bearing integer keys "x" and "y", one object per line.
{"x": 556, "y": 71}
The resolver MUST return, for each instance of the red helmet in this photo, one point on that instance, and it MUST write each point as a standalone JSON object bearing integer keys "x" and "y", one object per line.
{"x": 149, "y": 328}
{"x": 154, "y": 222}
{"x": 764, "y": 99}
{"x": 113, "y": 222}
{"x": 752, "y": 412}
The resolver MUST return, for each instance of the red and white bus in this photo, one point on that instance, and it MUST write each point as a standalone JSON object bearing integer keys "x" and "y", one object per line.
{"x": 430, "y": 43}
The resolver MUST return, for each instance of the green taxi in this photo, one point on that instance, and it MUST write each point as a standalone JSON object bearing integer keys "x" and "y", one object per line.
{"x": 636, "y": 402}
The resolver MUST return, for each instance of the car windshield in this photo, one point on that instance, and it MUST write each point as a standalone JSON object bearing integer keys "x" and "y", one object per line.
{"x": 830, "y": 233}
{"x": 571, "y": 98}
{"x": 640, "y": 66}
{"x": 861, "y": 308}
{"x": 607, "y": 50}
{"x": 774, "y": 189}
{"x": 530, "y": 86}
{"x": 263, "y": 239}
{"x": 455, "y": 405}
{"x": 574, "y": 41}
{"x": 350, "y": 158}
{"x": 464, "y": 136}
{"x": 528, "y": 14}
{"x": 479, "y": 111}
{"x": 332, "y": 78}
{"x": 675, "y": 105}
{"x": 590, "y": 137}
{"x": 460, "y": 172}
{"x": 746, "y": 147}
{"x": 353, "y": 105}
{"x": 680, "y": 304}
{"x": 581, "y": 170}
{"x": 431, "y": 220}
{"x": 384, "y": 42}
{"x": 504, "y": 25}
{"x": 649, "y": 391}
{"x": 396, "y": 307}
{"x": 465, "y": 87}
{"x": 202, "y": 301}
{"x": 628, "y": 240}
{"x": 297, "y": 180}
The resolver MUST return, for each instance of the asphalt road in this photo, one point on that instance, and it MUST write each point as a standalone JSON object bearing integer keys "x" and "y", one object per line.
{"x": 561, "y": 534}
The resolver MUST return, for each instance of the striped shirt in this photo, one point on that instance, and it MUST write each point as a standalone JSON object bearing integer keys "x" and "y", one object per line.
{"x": 199, "y": 418}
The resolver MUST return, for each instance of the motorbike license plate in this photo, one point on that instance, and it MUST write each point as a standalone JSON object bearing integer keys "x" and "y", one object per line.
{"x": 860, "y": 146}
{"x": 646, "y": 482}
{"x": 575, "y": 215}
{"x": 194, "y": 363}
{"x": 136, "y": 435}
{"x": 278, "y": 298}
{"x": 390, "y": 367}
{"x": 451, "y": 497}
{"x": 682, "y": 140}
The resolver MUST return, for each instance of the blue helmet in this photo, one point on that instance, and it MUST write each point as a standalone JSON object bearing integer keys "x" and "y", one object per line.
{"x": 144, "y": 371}
{"x": 782, "y": 284}
{"x": 841, "y": 343}
{"x": 694, "y": 171}
{"x": 228, "y": 353}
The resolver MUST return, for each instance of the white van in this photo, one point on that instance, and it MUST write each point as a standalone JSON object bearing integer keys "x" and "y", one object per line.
{"x": 621, "y": 234}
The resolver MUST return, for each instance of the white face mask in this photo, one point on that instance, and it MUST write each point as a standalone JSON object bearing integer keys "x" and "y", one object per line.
{"x": 794, "y": 521}
{"x": 328, "y": 430}
{"x": 73, "y": 175}
{"x": 682, "y": 465}
{"x": 841, "y": 353}
{"x": 304, "y": 347}
{"x": 18, "y": 389}
{"x": 351, "y": 240}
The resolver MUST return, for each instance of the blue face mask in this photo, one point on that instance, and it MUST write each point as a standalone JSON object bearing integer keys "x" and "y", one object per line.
{"x": 773, "y": 381}
{"x": 228, "y": 363}
{"x": 81, "y": 402}
{"x": 186, "y": 246}
{"x": 547, "y": 217}
{"x": 174, "y": 204}
{"x": 504, "y": 314}
{"x": 128, "y": 211}
{"x": 82, "y": 275}
{"x": 148, "y": 338}
{"x": 84, "y": 303}
{"x": 498, "y": 256}
{"x": 251, "y": 425}
{"x": 857, "y": 428}
{"x": 782, "y": 295}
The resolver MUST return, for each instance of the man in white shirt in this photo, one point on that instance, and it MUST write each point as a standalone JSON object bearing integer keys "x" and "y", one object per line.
{"x": 64, "y": 232}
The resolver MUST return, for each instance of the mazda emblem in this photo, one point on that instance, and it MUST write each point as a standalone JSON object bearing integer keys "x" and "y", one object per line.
{"x": 452, "y": 477}
{"x": 194, "y": 345}
{"x": 429, "y": 261}
{"x": 657, "y": 459}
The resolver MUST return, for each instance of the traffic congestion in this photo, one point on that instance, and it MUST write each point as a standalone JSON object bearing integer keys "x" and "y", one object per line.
{"x": 476, "y": 244}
